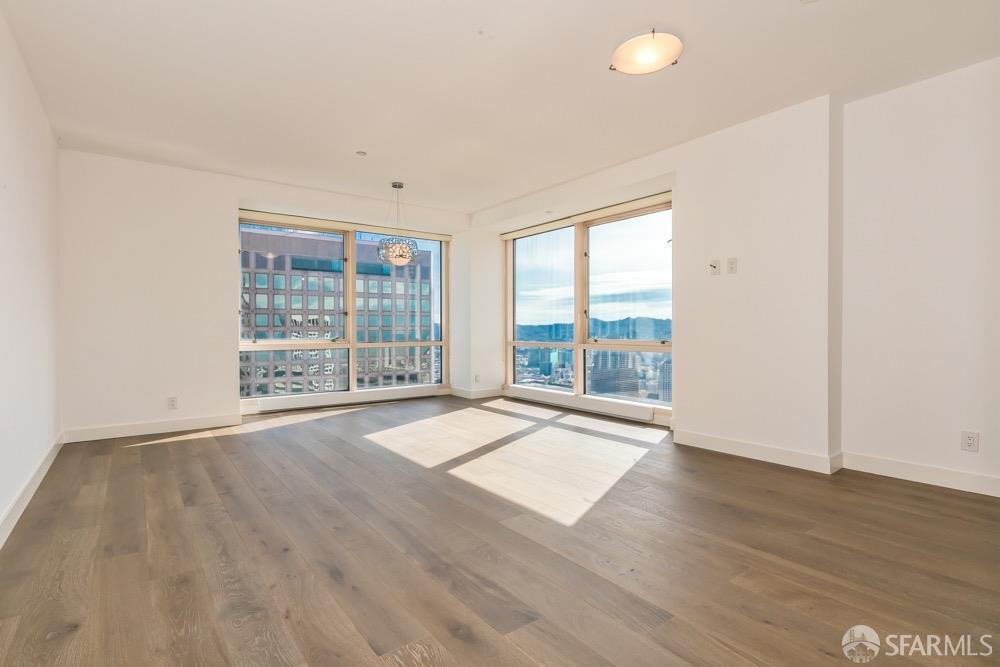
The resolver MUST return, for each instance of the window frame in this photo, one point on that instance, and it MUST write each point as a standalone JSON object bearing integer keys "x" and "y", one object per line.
{"x": 582, "y": 340}
{"x": 350, "y": 340}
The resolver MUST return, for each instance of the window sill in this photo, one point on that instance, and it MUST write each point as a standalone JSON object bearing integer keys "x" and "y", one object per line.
{"x": 642, "y": 412}
{"x": 251, "y": 406}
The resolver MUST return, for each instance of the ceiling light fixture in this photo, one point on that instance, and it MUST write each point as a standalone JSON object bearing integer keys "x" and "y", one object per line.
{"x": 397, "y": 250}
{"x": 647, "y": 53}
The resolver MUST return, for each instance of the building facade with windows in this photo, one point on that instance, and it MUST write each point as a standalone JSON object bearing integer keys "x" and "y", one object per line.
{"x": 292, "y": 288}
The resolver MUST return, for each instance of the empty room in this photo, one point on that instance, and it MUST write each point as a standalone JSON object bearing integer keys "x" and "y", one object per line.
{"x": 342, "y": 333}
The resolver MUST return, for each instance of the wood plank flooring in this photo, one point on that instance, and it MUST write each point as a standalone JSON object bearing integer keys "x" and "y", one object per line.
{"x": 443, "y": 531}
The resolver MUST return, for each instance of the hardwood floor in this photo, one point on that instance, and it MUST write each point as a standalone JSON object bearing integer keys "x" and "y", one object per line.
{"x": 451, "y": 532}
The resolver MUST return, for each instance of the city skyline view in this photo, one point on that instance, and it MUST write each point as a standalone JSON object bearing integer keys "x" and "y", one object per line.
{"x": 629, "y": 298}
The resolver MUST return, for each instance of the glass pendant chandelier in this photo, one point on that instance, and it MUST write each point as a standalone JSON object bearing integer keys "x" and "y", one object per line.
{"x": 397, "y": 250}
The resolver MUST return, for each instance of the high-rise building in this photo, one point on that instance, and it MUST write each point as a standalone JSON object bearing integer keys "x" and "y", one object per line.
{"x": 665, "y": 380}
{"x": 613, "y": 372}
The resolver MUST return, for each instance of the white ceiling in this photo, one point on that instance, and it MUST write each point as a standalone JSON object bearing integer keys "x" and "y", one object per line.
{"x": 471, "y": 102}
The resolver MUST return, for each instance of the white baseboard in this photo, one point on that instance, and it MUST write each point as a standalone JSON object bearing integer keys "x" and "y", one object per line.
{"x": 475, "y": 393}
{"x": 836, "y": 461}
{"x": 16, "y": 508}
{"x": 754, "y": 450}
{"x": 148, "y": 428}
{"x": 663, "y": 418}
{"x": 919, "y": 472}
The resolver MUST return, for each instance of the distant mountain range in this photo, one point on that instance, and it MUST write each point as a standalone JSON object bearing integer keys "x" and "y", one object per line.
{"x": 630, "y": 328}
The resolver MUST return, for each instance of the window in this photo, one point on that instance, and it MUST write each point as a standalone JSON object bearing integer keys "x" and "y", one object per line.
{"x": 546, "y": 367}
{"x": 267, "y": 373}
{"x": 294, "y": 336}
{"x": 398, "y": 366}
{"x": 632, "y": 376}
{"x": 423, "y": 275}
{"x": 277, "y": 250}
{"x": 591, "y": 304}
{"x": 630, "y": 272}
{"x": 404, "y": 365}
{"x": 543, "y": 286}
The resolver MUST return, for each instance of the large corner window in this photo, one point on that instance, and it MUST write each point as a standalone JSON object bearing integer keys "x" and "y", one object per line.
{"x": 320, "y": 312}
{"x": 591, "y": 304}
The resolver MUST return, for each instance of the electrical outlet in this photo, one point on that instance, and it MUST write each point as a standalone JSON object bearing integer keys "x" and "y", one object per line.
{"x": 970, "y": 441}
{"x": 715, "y": 267}
{"x": 731, "y": 265}
{"x": 476, "y": 378}
{"x": 171, "y": 403}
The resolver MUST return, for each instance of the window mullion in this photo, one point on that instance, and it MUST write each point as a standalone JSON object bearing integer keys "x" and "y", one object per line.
{"x": 580, "y": 310}
{"x": 350, "y": 305}
{"x": 509, "y": 278}
{"x": 443, "y": 293}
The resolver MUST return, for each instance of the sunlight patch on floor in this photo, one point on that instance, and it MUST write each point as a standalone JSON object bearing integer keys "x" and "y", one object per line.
{"x": 521, "y": 408}
{"x": 557, "y": 473}
{"x": 254, "y": 426}
{"x": 649, "y": 434}
{"x": 432, "y": 441}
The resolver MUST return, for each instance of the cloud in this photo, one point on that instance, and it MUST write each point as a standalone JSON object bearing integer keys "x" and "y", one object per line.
{"x": 630, "y": 272}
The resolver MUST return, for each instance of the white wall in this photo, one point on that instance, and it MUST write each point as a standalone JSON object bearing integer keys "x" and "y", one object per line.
{"x": 477, "y": 329}
{"x": 30, "y": 424}
{"x": 922, "y": 295}
{"x": 150, "y": 290}
{"x": 750, "y": 350}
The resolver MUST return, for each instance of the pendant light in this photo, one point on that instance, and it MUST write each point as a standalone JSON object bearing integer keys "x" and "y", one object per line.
{"x": 397, "y": 250}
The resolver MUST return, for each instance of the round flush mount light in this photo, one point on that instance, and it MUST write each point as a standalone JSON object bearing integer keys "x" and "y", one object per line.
{"x": 647, "y": 53}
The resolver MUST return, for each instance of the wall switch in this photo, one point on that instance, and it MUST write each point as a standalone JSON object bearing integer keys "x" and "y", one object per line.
{"x": 731, "y": 265}
{"x": 172, "y": 403}
{"x": 970, "y": 441}
{"x": 715, "y": 267}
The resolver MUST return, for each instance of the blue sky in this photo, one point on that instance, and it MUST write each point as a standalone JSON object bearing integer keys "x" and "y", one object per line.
{"x": 631, "y": 269}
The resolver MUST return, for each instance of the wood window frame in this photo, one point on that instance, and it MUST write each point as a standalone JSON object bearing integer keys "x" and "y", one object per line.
{"x": 349, "y": 341}
{"x": 582, "y": 341}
